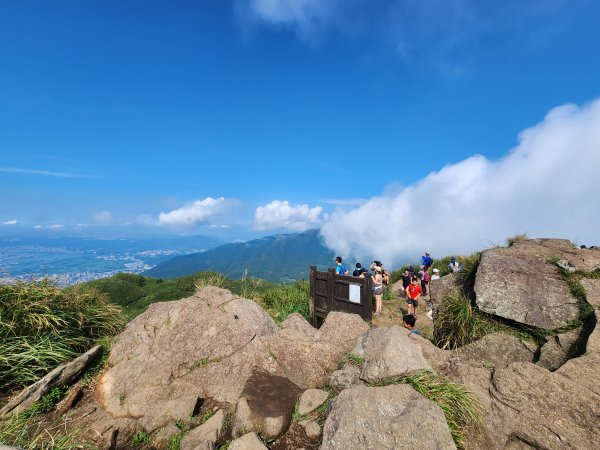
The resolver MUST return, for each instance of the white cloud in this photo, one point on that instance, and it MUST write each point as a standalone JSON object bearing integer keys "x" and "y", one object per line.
{"x": 547, "y": 186}
{"x": 10, "y": 222}
{"x": 200, "y": 212}
{"x": 281, "y": 215}
{"x": 102, "y": 217}
{"x": 40, "y": 172}
{"x": 55, "y": 226}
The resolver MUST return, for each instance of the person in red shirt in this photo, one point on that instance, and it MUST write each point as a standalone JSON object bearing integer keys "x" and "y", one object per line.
{"x": 413, "y": 292}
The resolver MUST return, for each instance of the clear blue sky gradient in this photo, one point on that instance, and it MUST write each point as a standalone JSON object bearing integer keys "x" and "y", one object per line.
{"x": 150, "y": 105}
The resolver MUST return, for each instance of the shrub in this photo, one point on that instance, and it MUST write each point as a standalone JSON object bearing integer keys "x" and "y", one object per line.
{"x": 512, "y": 240}
{"x": 42, "y": 326}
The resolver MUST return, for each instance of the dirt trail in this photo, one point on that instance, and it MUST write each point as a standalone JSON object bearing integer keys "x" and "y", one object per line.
{"x": 394, "y": 309}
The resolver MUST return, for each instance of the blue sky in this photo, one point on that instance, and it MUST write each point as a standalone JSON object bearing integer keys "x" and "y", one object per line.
{"x": 217, "y": 113}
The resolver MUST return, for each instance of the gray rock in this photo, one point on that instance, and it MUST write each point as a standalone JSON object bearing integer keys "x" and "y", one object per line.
{"x": 391, "y": 417}
{"x": 342, "y": 379}
{"x": 310, "y": 400}
{"x": 311, "y": 428}
{"x": 556, "y": 351}
{"x": 388, "y": 353}
{"x": 249, "y": 441}
{"x": 163, "y": 436}
{"x": 341, "y": 329}
{"x": 212, "y": 431}
{"x": 521, "y": 284}
{"x": 495, "y": 349}
{"x": 297, "y": 322}
{"x": 546, "y": 409}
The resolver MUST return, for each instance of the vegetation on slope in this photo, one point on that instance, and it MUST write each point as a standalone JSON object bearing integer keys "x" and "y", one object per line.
{"x": 42, "y": 326}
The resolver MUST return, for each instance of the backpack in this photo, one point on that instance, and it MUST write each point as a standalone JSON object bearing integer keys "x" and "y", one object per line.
{"x": 426, "y": 277}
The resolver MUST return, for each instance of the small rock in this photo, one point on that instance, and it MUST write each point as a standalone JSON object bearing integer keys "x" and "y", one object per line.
{"x": 311, "y": 428}
{"x": 211, "y": 431}
{"x": 344, "y": 378}
{"x": 311, "y": 400}
{"x": 556, "y": 351}
{"x": 249, "y": 441}
{"x": 163, "y": 436}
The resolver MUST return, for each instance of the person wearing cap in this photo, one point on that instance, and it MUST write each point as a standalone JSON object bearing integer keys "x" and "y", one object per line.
{"x": 436, "y": 274}
{"x": 357, "y": 270}
{"x": 377, "y": 288}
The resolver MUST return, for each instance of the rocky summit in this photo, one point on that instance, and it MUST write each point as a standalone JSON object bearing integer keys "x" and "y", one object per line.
{"x": 214, "y": 370}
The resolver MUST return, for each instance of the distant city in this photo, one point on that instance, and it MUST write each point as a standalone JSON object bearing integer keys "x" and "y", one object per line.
{"x": 71, "y": 260}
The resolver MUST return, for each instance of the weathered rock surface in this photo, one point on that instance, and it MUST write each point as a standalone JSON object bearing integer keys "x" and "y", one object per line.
{"x": 345, "y": 377}
{"x": 212, "y": 431}
{"x": 391, "y": 417}
{"x": 297, "y": 322}
{"x": 208, "y": 346}
{"x": 555, "y": 352}
{"x": 441, "y": 287}
{"x": 496, "y": 349}
{"x": 266, "y": 405}
{"x": 249, "y": 441}
{"x": 547, "y": 409}
{"x": 310, "y": 400}
{"x": 388, "y": 353}
{"x": 311, "y": 428}
{"x": 521, "y": 284}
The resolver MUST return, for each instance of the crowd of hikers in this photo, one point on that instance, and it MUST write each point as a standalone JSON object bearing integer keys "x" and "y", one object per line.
{"x": 415, "y": 284}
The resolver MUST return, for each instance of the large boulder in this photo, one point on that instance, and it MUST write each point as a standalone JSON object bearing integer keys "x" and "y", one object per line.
{"x": 347, "y": 376}
{"x": 207, "y": 346}
{"x": 391, "y": 417}
{"x": 520, "y": 283}
{"x": 389, "y": 353}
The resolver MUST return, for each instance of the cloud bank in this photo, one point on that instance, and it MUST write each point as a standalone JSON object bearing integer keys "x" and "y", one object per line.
{"x": 200, "y": 212}
{"x": 281, "y": 215}
{"x": 9, "y": 222}
{"x": 547, "y": 186}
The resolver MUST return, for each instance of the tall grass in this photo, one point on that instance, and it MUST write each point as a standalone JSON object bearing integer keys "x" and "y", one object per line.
{"x": 42, "y": 326}
{"x": 459, "y": 406}
{"x": 283, "y": 300}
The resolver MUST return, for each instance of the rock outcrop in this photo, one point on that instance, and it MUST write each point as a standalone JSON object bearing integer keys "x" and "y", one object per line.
{"x": 497, "y": 349}
{"x": 208, "y": 346}
{"x": 521, "y": 283}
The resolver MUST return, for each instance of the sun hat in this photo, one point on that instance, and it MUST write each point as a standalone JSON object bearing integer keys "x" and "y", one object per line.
{"x": 436, "y": 270}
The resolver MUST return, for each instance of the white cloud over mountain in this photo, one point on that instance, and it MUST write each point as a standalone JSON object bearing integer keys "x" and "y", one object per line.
{"x": 547, "y": 186}
{"x": 9, "y": 222}
{"x": 102, "y": 217}
{"x": 281, "y": 215}
{"x": 200, "y": 212}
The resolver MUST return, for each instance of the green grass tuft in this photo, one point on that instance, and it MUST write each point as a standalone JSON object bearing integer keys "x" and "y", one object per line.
{"x": 42, "y": 326}
{"x": 512, "y": 240}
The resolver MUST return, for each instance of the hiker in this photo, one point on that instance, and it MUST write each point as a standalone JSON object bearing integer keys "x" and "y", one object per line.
{"x": 340, "y": 269}
{"x": 385, "y": 276}
{"x": 406, "y": 277}
{"x": 357, "y": 270}
{"x": 413, "y": 291}
{"x": 427, "y": 260}
{"x": 424, "y": 276}
{"x": 377, "y": 288}
{"x": 453, "y": 266}
{"x": 409, "y": 321}
{"x": 436, "y": 274}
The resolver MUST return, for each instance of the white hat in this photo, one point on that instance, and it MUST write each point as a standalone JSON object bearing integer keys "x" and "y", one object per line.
{"x": 377, "y": 269}
{"x": 436, "y": 270}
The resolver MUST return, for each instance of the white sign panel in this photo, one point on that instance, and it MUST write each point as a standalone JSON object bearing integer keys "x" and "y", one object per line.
{"x": 354, "y": 296}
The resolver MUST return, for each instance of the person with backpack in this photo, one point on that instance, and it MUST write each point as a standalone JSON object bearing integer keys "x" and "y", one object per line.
{"x": 340, "y": 269}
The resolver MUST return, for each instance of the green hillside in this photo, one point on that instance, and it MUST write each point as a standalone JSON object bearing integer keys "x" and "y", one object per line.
{"x": 279, "y": 258}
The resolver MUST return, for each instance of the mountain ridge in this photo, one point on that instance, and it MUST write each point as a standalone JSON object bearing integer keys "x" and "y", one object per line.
{"x": 277, "y": 258}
